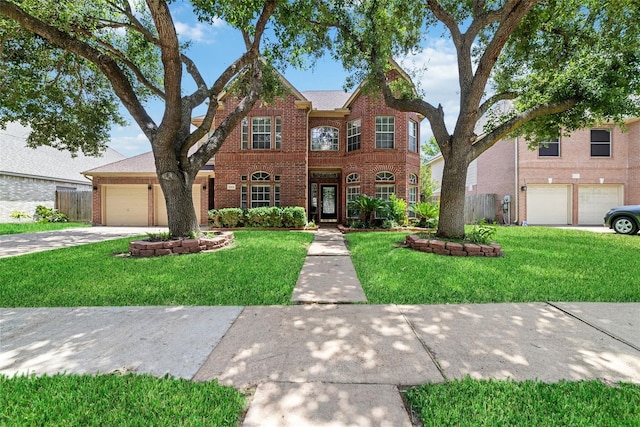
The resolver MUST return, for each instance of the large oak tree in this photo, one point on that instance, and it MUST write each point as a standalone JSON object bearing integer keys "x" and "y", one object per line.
{"x": 561, "y": 65}
{"x": 66, "y": 66}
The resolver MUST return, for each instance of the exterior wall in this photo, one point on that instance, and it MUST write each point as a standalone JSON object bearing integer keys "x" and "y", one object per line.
{"x": 297, "y": 165}
{"x": 576, "y": 167}
{"x": 500, "y": 157}
{"x": 24, "y": 194}
{"x": 99, "y": 182}
{"x": 289, "y": 162}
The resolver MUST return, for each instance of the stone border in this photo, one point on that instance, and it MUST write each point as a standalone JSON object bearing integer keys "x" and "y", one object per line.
{"x": 145, "y": 248}
{"x": 440, "y": 247}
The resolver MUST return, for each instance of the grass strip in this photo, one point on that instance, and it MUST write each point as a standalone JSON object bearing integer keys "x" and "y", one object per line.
{"x": 261, "y": 268}
{"x": 540, "y": 264}
{"x": 35, "y": 227}
{"x": 531, "y": 403}
{"x": 110, "y": 400}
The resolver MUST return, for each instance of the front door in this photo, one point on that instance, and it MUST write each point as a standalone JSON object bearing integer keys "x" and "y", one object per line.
{"x": 328, "y": 205}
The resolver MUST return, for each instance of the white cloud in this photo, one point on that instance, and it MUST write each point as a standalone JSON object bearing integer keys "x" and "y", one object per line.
{"x": 435, "y": 73}
{"x": 129, "y": 141}
{"x": 198, "y": 32}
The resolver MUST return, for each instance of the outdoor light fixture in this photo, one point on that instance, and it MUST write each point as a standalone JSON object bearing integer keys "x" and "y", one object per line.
{"x": 149, "y": 187}
{"x": 523, "y": 188}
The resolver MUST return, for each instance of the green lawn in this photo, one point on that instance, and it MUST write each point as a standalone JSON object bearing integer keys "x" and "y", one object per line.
{"x": 114, "y": 400}
{"x": 540, "y": 264}
{"x": 529, "y": 403}
{"x": 261, "y": 268}
{"x": 34, "y": 227}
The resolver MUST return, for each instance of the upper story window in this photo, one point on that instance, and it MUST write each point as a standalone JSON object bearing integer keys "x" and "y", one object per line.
{"x": 385, "y": 177}
{"x": 261, "y": 133}
{"x": 385, "y": 131}
{"x": 412, "y": 131}
{"x": 353, "y": 177}
{"x": 324, "y": 138}
{"x": 353, "y": 135}
{"x": 549, "y": 148}
{"x": 278, "y": 133}
{"x": 600, "y": 143}
{"x": 245, "y": 134}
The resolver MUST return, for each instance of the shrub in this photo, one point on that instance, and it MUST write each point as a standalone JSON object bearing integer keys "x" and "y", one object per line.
{"x": 482, "y": 233}
{"x": 426, "y": 213}
{"x": 19, "y": 215}
{"x": 294, "y": 217}
{"x": 226, "y": 217}
{"x": 45, "y": 214}
{"x": 396, "y": 210}
{"x": 258, "y": 217}
{"x": 367, "y": 207}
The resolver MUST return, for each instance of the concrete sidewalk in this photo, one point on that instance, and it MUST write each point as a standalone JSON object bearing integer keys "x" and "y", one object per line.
{"x": 329, "y": 364}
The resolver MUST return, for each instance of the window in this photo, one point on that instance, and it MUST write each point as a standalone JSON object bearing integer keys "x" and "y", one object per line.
{"x": 260, "y": 195}
{"x": 413, "y": 179}
{"x": 549, "y": 148}
{"x": 385, "y": 131}
{"x": 243, "y": 197}
{"x": 278, "y": 133}
{"x": 276, "y": 195}
{"x": 600, "y": 143}
{"x": 352, "y": 193}
{"x": 245, "y": 134}
{"x": 384, "y": 191}
{"x": 385, "y": 177}
{"x": 413, "y": 199}
{"x": 261, "y": 133}
{"x": 324, "y": 138}
{"x": 353, "y": 135}
{"x": 413, "y": 136}
{"x": 353, "y": 177}
{"x": 260, "y": 176}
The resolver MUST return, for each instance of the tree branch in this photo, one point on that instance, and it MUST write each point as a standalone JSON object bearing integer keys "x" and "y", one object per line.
{"x": 486, "y": 141}
{"x": 486, "y": 105}
{"x": 107, "y": 66}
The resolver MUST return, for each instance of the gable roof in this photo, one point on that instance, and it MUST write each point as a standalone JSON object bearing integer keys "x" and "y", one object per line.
{"x": 45, "y": 162}
{"x": 141, "y": 164}
{"x": 327, "y": 100}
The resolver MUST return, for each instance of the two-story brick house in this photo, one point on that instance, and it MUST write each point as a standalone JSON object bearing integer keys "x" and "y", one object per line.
{"x": 314, "y": 149}
{"x": 573, "y": 180}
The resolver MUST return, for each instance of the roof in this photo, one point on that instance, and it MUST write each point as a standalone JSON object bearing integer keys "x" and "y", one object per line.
{"x": 327, "y": 100}
{"x": 142, "y": 163}
{"x": 45, "y": 162}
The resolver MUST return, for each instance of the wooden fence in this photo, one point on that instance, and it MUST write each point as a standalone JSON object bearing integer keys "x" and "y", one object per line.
{"x": 75, "y": 204}
{"x": 478, "y": 206}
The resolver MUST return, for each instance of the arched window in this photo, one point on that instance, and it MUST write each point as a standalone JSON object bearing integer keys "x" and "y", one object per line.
{"x": 353, "y": 177}
{"x": 260, "y": 176}
{"x": 324, "y": 138}
{"x": 413, "y": 179}
{"x": 385, "y": 177}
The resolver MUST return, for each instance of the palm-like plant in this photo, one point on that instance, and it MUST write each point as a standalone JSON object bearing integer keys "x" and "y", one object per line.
{"x": 427, "y": 214}
{"x": 367, "y": 207}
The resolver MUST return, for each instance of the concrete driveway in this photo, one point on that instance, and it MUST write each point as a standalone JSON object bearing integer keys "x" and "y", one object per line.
{"x": 19, "y": 244}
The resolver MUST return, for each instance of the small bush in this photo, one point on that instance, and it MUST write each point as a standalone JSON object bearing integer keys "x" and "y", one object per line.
{"x": 426, "y": 213}
{"x": 263, "y": 217}
{"x": 396, "y": 210}
{"x": 294, "y": 217}
{"x": 45, "y": 214}
{"x": 19, "y": 215}
{"x": 482, "y": 233}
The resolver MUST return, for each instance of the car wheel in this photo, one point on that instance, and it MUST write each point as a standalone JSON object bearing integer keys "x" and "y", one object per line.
{"x": 625, "y": 225}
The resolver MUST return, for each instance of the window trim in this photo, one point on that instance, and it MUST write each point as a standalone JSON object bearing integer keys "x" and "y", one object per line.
{"x": 412, "y": 125}
{"x": 385, "y": 176}
{"x": 381, "y": 123}
{"x": 600, "y": 144}
{"x": 549, "y": 147}
{"x": 263, "y": 132}
{"x": 352, "y": 178}
{"x": 354, "y": 133}
{"x": 334, "y": 142}
{"x": 351, "y": 213}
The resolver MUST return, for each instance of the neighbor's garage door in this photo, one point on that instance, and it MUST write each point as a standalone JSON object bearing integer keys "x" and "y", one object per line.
{"x": 125, "y": 205}
{"x": 595, "y": 200}
{"x": 548, "y": 204}
{"x": 161, "y": 206}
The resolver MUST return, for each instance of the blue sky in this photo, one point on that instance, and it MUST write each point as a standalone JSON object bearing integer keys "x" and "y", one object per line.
{"x": 215, "y": 46}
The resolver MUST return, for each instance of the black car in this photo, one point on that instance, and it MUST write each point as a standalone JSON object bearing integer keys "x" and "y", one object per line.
{"x": 624, "y": 219}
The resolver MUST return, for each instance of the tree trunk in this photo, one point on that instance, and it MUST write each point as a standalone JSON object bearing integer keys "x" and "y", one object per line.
{"x": 182, "y": 217}
{"x": 452, "y": 197}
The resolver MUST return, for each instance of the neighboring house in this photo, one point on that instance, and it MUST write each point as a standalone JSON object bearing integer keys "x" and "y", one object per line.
{"x": 573, "y": 180}
{"x": 315, "y": 149}
{"x": 30, "y": 177}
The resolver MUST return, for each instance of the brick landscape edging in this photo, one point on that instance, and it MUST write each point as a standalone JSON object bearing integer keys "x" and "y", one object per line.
{"x": 145, "y": 248}
{"x": 452, "y": 248}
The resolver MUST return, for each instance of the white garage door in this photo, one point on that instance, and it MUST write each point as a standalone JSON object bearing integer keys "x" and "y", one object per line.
{"x": 160, "y": 213}
{"x": 548, "y": 204}
{"x": 595, "y": 200}
{"x": 125, "y": 205}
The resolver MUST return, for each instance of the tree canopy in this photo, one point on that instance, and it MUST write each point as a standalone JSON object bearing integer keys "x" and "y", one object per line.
{"x": 562, "y": 65}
